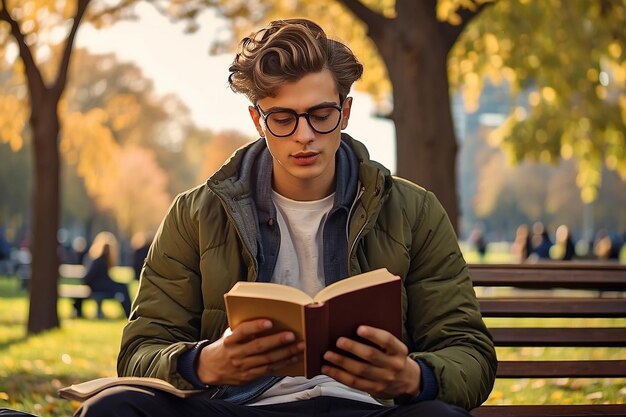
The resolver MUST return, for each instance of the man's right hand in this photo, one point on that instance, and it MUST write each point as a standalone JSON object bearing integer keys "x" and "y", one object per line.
{"x": 246, "y": 353}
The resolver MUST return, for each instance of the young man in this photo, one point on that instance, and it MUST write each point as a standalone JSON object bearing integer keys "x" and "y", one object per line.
{"x": 303, "y": 206}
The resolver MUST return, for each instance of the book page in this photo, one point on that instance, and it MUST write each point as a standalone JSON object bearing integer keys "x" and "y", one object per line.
{"x": 269, "y": 291}
{"x": 84, "y": 390}
{"x": 356, "y": 282}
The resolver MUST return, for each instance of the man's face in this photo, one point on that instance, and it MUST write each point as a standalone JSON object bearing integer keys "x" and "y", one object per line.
{"x": 304, "y": 162}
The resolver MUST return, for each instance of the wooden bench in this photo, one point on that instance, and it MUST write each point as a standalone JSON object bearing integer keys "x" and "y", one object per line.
{"x": 563, "y": 290}
{"x": 71, "y": 287}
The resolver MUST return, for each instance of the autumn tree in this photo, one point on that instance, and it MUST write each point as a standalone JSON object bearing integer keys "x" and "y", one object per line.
{"x": 40, "y": 75}
{"x": 405, "y": 46}
{"x": 569, "y": 57}
{"x": 113, "y": 138}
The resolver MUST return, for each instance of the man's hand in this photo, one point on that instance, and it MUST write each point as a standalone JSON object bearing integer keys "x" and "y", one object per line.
{"x": 247, "y": 353}
{"x": 384, "y": 373}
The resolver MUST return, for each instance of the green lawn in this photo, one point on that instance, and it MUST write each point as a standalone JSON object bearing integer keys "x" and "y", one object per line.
{"x": 32, "y": 369}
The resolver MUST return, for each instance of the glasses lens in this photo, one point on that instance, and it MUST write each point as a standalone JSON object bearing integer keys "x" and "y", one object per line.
{"x": 281, "y": 123}
{"x": 324, "y": 119}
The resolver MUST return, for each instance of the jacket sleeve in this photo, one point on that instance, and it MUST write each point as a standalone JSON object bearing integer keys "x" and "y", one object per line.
{"x": 444, "y": 320}
{"x": 167, "y": 310}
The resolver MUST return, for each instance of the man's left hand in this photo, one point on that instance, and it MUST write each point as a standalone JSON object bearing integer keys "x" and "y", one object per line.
{"x": 384, "y": 372}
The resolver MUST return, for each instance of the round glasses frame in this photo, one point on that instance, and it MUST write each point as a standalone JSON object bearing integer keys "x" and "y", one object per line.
{"x": 297, "y": 115}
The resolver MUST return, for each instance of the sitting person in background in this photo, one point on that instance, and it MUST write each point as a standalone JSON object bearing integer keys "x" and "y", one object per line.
{"x": 103, "y": 253}
{"x": 541, "y": 241}
{"x": 564, "y": 248}
{"x": 522, "y": 245}
{"x": 140, "y": 244}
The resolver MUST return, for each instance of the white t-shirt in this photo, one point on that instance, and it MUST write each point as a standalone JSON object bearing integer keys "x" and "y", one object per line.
{"x": 301, "y": 224}
{"x": 300, "y": 264}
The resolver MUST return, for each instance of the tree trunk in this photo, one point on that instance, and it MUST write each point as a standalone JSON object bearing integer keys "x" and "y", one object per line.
{"x": 44, "y": 124}
{"x": 425, "y": 138}
{"x": 415, "y": 52}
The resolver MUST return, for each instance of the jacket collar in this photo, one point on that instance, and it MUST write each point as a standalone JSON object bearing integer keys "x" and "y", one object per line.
{"x": 347, "y": 167}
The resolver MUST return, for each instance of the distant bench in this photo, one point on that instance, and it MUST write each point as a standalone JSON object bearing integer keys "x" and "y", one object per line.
{"x": 593, "y": 290}
{"x": 71, "y": 286}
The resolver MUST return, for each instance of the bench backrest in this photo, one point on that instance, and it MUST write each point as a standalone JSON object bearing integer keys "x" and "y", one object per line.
{"x": 555, "y": 290}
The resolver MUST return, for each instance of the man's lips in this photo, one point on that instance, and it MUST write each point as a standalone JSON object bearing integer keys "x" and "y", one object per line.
{"x": 304, "y": 154}
{"x": 305, "y": 158}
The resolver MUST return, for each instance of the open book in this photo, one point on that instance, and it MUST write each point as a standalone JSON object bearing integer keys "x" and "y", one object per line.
{"x": 85, "y": 390}
{"x": 372, "y": 298}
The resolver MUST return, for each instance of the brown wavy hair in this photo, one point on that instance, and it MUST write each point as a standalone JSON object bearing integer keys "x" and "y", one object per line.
{"x": 285, "y": 51}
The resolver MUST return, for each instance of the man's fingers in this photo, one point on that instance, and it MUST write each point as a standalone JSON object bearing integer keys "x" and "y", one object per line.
{"x": 387, "y": 342}
{"x": 374, "y": 387}
{"x": 247, "y": 330}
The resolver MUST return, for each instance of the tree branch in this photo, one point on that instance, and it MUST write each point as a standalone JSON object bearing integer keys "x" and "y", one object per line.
{"x": 452, "y": 32}
{"x": 109, "y": 10}
{"x": 374, "y": 21}
{"x": 61, "y": 80}
{"x": 33, "y": 75}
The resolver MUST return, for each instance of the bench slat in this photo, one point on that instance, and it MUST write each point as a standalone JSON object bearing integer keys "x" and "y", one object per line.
{"x": 575, "y": 276}
{"x": 561, "y": 369}
{"x": 551, "y": 275}
{"x": 578, "y": 410}
{"x": 568, "y": 337}
{"x": 553, "y": 307}
{"x": 74, "y": 291}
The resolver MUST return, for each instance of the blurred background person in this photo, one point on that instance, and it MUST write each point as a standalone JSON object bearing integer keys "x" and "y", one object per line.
{"x": 563, "y": 248}
{"x": 103, "y": 253}
{"x": 522, "y": 246}
{"x": 140, "y": 245}
{"x": 541, "y": 241}
{"x": 477, "y": 240}
{"x": 6, "y": 267}
{"x": 606, "y": 247}
{"x": 79, "y": 250}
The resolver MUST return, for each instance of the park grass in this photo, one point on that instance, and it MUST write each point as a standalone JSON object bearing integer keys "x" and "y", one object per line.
{"x": 33, "y": 368}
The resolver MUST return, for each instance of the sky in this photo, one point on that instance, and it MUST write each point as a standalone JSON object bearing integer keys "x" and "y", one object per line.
{"x": 180, "y": 63}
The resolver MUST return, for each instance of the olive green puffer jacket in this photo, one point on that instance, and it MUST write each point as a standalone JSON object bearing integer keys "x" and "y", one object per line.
{"x": 206, "y": 244}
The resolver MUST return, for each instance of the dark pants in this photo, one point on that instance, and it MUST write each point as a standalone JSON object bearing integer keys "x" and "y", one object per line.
{"x": 142, "y": 402}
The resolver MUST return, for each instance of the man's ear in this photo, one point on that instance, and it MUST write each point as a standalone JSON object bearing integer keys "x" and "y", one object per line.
{"x": 256, "y": 118}
{"x": 345, "y": 115}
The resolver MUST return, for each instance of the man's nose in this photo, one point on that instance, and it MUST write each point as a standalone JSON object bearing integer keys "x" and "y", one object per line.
{"x": 304, "y": 132}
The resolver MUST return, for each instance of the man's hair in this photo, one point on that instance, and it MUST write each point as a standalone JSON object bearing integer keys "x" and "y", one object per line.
{"x": 286, "y": 51}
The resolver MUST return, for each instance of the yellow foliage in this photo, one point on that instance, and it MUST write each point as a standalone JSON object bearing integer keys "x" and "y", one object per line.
{"x": 88, "y": 143}
{"x": 123, "y": 110}
{"x": 140, "y": 200}
{"x": 545, "y": 156}
{"x": 611, "y": 162}
{"x": 601, "y": 92}
{"x": 13, "y": 118}
{"x": 491, "y": 43}
{"x": 567, "y": 151}
{"x": 534, "y": 99}
{"x": 615, "y": 49}
{"x": 592, "y": 74}
{"x": 548, "y": 94}
{"x": 447, "y": 9}
{"x": 471, "y": 91}
{"x": 127, "y": 182}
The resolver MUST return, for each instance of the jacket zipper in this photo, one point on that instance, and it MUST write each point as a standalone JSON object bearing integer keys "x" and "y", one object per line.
{"x": 356, "y": 238}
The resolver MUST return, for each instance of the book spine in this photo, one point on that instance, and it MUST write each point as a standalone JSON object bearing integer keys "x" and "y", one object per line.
{"x": 316, "y": 337}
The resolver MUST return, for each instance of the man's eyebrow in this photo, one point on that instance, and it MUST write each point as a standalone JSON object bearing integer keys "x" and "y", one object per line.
{"x": 278, "y": 108}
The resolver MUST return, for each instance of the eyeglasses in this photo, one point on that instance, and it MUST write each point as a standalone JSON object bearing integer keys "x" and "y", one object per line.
{"x": 282, "y": 123}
